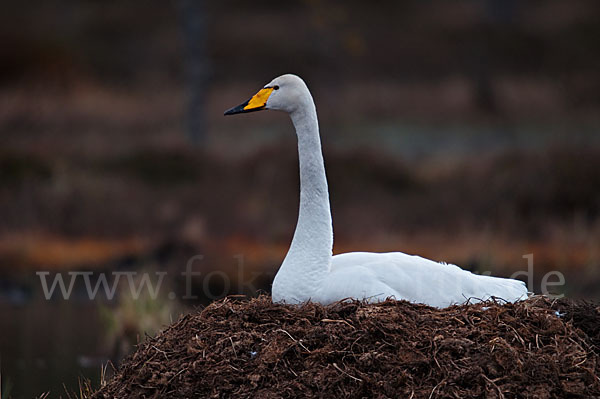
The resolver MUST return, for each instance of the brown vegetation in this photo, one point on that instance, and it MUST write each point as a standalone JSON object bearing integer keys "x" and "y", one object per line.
{"x": 538, "y": 348}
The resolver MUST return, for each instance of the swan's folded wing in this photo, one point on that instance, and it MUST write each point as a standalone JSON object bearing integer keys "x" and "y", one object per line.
{"x": 422, "y": 280}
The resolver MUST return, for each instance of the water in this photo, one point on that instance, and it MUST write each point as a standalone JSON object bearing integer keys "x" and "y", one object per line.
{"x": 45, "y": 344}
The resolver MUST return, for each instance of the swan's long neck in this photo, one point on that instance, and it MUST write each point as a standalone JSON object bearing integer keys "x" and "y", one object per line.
{"x": 308, "y": 260}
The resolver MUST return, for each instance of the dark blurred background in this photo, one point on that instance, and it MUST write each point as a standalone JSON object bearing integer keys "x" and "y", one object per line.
{"x": 464, "y": 131}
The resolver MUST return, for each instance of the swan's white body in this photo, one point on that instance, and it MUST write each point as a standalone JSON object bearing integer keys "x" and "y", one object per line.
{"x": 309, "y": 272}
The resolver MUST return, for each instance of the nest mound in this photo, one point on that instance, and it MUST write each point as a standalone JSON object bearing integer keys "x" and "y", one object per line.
{"x": 253, "y": 348}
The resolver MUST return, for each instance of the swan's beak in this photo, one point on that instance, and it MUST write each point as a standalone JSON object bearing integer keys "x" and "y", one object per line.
{"x": 256, "y": 103}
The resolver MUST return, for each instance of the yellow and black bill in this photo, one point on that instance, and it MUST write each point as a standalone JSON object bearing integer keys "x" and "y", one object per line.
{"x": 256, "y": 103}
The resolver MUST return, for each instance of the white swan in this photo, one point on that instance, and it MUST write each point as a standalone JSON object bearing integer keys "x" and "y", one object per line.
{"x": 310, "y": 272}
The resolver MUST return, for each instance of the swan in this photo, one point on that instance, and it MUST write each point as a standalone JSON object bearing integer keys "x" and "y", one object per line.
{"x": 310, "y": 272}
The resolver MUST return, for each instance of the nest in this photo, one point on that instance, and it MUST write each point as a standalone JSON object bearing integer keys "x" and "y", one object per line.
{"x": 539, "y": 348}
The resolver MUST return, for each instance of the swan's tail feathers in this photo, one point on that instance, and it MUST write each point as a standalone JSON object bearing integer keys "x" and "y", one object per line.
{"x": 500, "y": 289}
{"x": 512, "y": 290}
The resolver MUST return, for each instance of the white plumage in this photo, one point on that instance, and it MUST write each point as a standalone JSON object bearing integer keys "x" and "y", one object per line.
{"x": 310, "y": 272}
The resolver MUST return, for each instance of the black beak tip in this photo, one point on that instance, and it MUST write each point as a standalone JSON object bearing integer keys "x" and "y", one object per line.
{"x": 232, "y": 111}
{"x": 240, "y": 109}
{"x": 237, "y": 110}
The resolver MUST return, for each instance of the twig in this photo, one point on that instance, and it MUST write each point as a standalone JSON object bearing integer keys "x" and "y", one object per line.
{"x": 434, "y": 388}
{"x": 233, "y": 346}
{"x": 179, "y": 372}
{"x": 161, "y": 351}
{"x": 343, "y": 372}
{"x": 338, "y": 321}
{"x": 294, "y": 339}
{"x": 501, "y": 395}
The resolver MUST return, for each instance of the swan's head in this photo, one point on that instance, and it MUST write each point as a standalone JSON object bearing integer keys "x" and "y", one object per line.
{"x": 284, "y": 93}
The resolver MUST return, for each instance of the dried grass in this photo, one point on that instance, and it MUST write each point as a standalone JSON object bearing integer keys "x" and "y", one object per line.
{"x": 234, "y": 348}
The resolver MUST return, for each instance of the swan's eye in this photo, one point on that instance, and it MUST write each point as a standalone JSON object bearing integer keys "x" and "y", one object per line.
{"x": 275, "y": 87}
